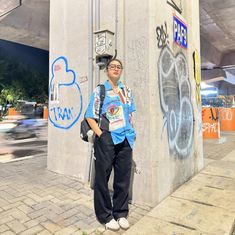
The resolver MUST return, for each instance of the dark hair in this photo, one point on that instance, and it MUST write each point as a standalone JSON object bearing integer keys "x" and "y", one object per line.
{"x": 108, "y": 63}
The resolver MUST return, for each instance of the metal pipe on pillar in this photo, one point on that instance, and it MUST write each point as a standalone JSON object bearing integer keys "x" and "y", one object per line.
{"x": 90, "y": 47}
{"x": 90, "y": 77}
{"x": 116, "y": 27}
{"x": 97, "y": 27}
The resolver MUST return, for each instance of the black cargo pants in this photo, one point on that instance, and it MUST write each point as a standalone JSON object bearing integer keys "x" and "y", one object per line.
{"x": 107, "y": 156}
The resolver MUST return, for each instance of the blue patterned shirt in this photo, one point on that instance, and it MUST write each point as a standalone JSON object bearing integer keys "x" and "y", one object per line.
{"x": 116, "y": 112}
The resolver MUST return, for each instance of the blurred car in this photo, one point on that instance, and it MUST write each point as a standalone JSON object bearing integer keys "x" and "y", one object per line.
{"x": 24, "y": 129}
{"x": 7, "y": 125}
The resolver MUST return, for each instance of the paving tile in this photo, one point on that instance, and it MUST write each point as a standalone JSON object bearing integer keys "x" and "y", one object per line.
{"x": 207, "y": 219}
{"x": 221, "y": 168}
{"x": 41, "y": 218}
{"x": 82, "y": 224}
{"x": 61, "y": 205}
{"x": 16, "y": 226}
{"x": 40, "y": 205}
{"x": 71, "y": 212}
{"x": 109, "y": 232}
{"x": 197, "y": 191}
{"x": 5, "y": 218}
{"x": 215, "y": 181}
{"x": 54, "y": 217}
{"x": 29, "y": 202}
{"x": 12, "y": 205}
{"x": 141, "y": 211}
{"x": 37, "y": 213}
{"x": 50, "y": 226}
{"x": 66, "y": 231}
{"x": 24, "y": 208}
{"x": 34, "y": 230}
{"x": 21, "y": 216}
{"x": 31, "y": 223}
{"x": 230, "y": 157}
{"x": 3, "y": 228}
{"x": 3, "y": 202}
{"x": 69, "y": 221}
{"x": 8, "y": 233}
{"x": 135, "y": 215}
{"x": 44, "y": 232}
{"x": 149, "y": 225}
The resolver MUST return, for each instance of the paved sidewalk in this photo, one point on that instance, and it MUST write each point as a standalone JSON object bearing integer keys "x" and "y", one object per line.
{"x": 204, "y": 205}
{"x": 34, "y": 200}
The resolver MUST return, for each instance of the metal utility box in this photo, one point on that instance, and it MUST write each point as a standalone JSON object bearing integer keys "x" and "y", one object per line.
{"x": 104, "y": 43}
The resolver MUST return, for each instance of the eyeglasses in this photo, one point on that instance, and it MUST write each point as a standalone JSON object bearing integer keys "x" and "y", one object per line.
{"x": 114, "y": 66}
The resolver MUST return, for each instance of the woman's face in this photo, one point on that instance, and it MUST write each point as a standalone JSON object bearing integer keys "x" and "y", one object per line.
{"x": 114, "y": 70}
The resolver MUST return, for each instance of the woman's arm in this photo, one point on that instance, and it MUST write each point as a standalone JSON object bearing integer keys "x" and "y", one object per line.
{"x": 94, "y": 126}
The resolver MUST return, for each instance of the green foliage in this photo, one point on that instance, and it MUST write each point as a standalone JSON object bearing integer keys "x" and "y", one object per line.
{"x": 16, "y": 83}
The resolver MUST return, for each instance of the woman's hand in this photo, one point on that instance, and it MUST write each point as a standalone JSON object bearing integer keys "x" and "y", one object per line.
{"x": 94, "y": 126}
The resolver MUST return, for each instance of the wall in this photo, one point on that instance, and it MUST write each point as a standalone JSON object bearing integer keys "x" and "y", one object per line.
{"x": 168, "y": 149}
{"x": 68, "y": 87}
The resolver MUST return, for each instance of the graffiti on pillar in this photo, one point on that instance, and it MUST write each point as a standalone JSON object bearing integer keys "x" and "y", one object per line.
{"x": 83, "y": 79}
{"x": 162, "y": 35}
{"x": 210, "y": 127}
{"x": 225, "y": 114}
{"x": 174, "y": 6}
{"x": 197, "y": 77}
{"x": 65, "y": 97}
{"x": 175, "y": 98}
{"x": 136, "y": 52}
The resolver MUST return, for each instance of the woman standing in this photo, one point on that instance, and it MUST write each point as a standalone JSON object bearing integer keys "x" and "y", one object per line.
{"x": 113, "y": 145}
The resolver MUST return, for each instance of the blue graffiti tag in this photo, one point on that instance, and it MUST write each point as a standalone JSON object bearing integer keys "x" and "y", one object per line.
{"x": 63, "y": 88}
{"x": 63, "y": 114}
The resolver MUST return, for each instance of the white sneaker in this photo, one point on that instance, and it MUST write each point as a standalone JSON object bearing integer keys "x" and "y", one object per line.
{"x": 123, "y": 222}
{"x": 112, "y": 225}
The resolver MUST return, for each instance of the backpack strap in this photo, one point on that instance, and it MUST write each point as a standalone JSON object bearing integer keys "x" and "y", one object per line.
{"x": 102, "y": 96}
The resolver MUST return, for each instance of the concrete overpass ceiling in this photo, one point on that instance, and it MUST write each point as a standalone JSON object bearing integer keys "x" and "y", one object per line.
{"x": 217, "y": 26}
{"x": 28, "y": 24}
{"x": 217, "y": 21}
{"x": 7, "y": 6}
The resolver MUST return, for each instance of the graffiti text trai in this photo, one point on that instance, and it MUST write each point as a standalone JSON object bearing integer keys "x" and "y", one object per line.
{"x": 64, "y": 92}
{"x": 62, "y": 113}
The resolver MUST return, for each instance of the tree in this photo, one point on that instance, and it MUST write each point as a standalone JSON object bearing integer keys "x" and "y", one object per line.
{"x": 22, "y": 83}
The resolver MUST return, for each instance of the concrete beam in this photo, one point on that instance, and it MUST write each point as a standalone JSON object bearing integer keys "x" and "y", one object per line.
{"x": 209, "y": 53}
{"x": 213, "y": 74}
{"x": 28, "y": 24}
{"x": 228, "y": 59}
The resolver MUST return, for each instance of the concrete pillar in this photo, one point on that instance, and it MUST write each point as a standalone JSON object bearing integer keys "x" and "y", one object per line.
{"x": 68, "y": 87}
{"x": 168, "y": 149}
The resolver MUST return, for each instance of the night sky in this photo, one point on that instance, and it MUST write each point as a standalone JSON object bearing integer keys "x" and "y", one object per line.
{"x": 31, "y": 58}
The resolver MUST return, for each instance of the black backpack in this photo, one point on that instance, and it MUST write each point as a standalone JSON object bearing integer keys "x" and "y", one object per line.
{"x": 85, "y": 127}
